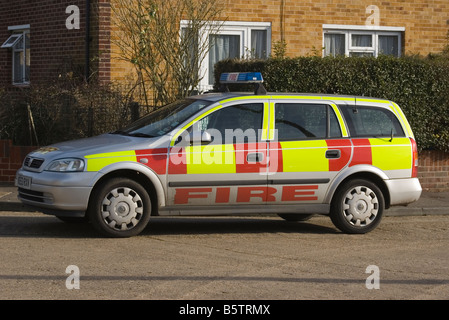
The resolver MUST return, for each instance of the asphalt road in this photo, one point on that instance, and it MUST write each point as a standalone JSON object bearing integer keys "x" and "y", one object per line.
{"x": 225, "y": 258}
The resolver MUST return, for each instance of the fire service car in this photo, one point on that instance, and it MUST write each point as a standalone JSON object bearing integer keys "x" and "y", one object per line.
{"x": 294, "y": 155}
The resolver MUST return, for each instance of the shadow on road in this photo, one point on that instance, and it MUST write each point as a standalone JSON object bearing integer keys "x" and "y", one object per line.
{"x": 51, "y": 227}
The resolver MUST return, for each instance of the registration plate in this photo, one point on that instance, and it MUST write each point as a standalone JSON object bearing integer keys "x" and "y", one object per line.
{"x": 24, "y": 182}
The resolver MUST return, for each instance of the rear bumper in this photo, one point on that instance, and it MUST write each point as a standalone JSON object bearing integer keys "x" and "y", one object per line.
{"x": 403, "y": 191}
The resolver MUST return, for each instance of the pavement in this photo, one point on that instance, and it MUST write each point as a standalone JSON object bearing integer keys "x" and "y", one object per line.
{"x": 430, "y": 203}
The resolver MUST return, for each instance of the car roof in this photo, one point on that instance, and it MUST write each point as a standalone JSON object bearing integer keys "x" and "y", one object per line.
{"x": 218, "y": 96}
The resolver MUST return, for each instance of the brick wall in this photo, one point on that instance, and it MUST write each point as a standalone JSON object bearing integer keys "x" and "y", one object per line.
{"x": 433, "y": 171}
{"x": 55, "y": 50}
{"x": 101, "y": 28}
{"x": 301, "y": 21}
{"x": 11, "y": 158}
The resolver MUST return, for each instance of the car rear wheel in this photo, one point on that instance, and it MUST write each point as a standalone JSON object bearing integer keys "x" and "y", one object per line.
{"x": 119, "y": 208}
{"x": 357, "y": 207}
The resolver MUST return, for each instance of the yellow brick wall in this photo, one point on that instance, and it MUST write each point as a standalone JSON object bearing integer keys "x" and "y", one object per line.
{"x": 425, "y": 21}
{"x": 300, "y": 22}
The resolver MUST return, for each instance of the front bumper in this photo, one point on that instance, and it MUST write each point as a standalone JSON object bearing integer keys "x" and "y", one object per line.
{"x": 64, "y": 194}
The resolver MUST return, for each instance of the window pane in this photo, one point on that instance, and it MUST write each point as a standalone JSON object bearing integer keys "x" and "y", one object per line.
{"x": 27, "y": 57}
{"x": 18, "y": 67}
{"x": 334, "y": 44}
{"x": 372, "y": 122}
{"x": 361, "y": 54}
{"x": 235, "y": 124}
{"x": 389, "y": 45}
{"x": 300, "y": 121}
{"x": 362, "y": 40}
{"x": 334, "y": 131}
{"x": 12, "y": 40}
{"x": 190, "y": 48}
{"x": 222, "y": 47}
{"x": 259, "y": 44}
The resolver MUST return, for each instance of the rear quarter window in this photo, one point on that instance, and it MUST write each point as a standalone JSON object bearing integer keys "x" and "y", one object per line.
{"x": 371, "y": 122}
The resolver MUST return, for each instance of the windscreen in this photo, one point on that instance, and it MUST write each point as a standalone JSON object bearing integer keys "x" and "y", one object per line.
{"x": 165, "y": 119}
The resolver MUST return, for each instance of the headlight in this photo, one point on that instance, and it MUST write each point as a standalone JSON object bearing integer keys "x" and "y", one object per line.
{"x": 66, "y": 165}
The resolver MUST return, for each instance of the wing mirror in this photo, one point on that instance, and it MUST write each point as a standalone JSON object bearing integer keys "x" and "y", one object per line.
{"x": 200, "y": 137}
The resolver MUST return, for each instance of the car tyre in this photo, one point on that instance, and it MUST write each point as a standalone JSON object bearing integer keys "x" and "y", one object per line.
{"x": 357, "y": 207}
{"x": 119, "y": 208}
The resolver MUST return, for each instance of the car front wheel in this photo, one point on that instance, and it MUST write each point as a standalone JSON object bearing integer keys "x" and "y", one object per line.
{"x": 357, "y": 207}
{"x": 119, "y": 208}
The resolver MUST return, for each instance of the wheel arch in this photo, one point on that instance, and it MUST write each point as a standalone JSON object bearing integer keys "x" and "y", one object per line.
{"x": 147, "y": 178}
{"x": 375, "y": 176}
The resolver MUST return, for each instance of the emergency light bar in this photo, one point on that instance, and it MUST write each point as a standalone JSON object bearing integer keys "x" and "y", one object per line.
{"x": 242, "y": 78}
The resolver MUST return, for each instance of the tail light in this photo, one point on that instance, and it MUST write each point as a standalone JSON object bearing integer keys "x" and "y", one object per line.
{"x": 414, "y": 158}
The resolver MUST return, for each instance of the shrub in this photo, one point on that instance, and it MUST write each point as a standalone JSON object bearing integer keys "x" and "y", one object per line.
{"x": 54, "y": 112}
{"x": 419, "y": 85}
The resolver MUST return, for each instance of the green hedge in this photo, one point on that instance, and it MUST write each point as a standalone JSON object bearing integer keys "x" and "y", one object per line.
{"x": 419, "y": 85}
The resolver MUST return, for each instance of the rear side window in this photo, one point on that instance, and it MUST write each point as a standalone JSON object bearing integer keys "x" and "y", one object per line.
{"x": 371, "y": 122}
{"x": 297, "y": 121}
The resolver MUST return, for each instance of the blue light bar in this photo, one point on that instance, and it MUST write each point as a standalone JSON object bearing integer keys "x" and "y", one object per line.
{"x": 241, "y": 77}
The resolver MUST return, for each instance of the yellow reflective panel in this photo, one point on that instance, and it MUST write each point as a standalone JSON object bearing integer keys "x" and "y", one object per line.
{"x": 404, "y": 120}
{"x": 297, "y": 97}
{"x": 210, "y": 159}
{"x": 304, "y": 156}
{"x": 271, "y": 125}
{"x": 96, "y": 162}
{"x": 266, "y": 121}
{"x": 344, "y": 132}
{"x": 394, "y": 155}
{"x": 373, "y": 100}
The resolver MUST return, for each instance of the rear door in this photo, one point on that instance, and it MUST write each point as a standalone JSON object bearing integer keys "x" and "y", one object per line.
{"x": 379, "y": 138}
{"x": 309, "y": 148}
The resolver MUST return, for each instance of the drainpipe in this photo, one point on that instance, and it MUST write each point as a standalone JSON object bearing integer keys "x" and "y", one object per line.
{"x": 87, "y": 49}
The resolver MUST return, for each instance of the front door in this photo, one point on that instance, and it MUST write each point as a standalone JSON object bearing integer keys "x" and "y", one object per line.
{"x": 227, "y": 168}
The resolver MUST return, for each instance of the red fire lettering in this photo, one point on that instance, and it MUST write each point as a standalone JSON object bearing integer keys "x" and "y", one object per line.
{"x": 297, "y": 193}
{"x": 222, "y": 195}
{"x": 244, "y": 194}
{"x": 182, "y": 196}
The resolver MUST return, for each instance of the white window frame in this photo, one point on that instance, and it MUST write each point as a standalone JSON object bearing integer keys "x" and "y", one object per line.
{"x": 241, "y": 28}
{"x": 7, "y": 44}
{"x": 374, "y": 31}
{"x": 20, "y": 32}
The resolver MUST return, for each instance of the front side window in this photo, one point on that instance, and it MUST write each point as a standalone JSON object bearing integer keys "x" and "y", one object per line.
{"x": 296, "y": 121}
{"x": 234, "y": 124}
{"x": 372, "y": 122}
{"x": 19, "y": 44}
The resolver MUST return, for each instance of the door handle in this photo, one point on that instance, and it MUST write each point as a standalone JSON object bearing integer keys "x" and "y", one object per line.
{"x": 254, "y": 157}
{"x": 333, "y": 154}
